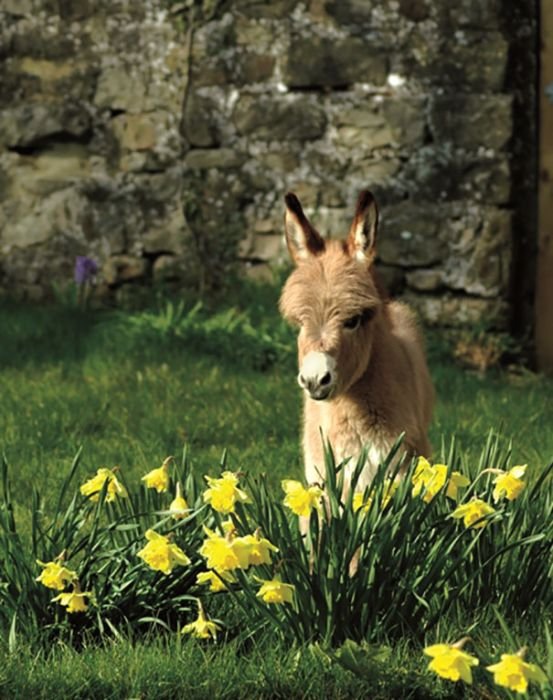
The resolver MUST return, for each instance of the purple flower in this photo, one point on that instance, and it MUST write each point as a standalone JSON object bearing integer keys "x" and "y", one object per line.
{"x": 85, "y": 269}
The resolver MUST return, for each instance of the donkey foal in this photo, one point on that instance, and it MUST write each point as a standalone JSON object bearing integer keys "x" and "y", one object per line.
{"x": 361, "y": 359}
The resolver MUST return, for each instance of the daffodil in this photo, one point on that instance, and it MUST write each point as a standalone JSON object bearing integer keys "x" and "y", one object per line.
{"x": 301, "y": 500}
{"x": 509, "y": 484}
{"x": 161, "y": 554}
{"x": 75, "y": 600}
{"x": 428, "y": 478}
{"x": 179, "y": 507}
{"x": 223, "y": 493}
{"x": 274, "y": 591}
{"x": 259, "y": 548}
{"x": 514, "y": 673}
{"x": 202, "y": 627}
{"x": 217, "y": 581}
{"x": 158, "y": 479}
{"x": 224, "y": 553}
{"x": 474, "y": 513}
{"x": 359, "y": 502}
{"x": 55, "y": 575}
{"x": 93, "y": 486}
{"x": 451, "y": 662}
{"x": 456, "y": 481}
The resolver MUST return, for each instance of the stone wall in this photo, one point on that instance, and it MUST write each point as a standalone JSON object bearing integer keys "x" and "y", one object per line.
{"x": 159, "y": 138}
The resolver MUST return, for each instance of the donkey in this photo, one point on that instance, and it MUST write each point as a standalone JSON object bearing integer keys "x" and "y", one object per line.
{"x": 361, "y": 359}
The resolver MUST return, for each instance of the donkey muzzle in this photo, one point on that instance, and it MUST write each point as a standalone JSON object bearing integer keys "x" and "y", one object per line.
{"x": 318, "y": 375}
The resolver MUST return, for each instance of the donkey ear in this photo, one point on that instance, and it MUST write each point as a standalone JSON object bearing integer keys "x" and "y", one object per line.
{"x": 301, "y": 238}
{"x": 361, "y": 240}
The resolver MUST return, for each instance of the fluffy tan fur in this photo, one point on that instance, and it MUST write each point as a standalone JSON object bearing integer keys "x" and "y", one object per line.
{"x": 383, "y": 387}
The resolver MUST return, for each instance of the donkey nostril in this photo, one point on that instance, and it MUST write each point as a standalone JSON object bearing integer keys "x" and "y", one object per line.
{"x": 301, "y": 379}
{"x": 325, "y": 379}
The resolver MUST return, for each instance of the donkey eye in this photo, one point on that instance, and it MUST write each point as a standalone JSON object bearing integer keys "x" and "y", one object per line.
{"x": 353, "y": 322}
{"x": 359, "y": 319}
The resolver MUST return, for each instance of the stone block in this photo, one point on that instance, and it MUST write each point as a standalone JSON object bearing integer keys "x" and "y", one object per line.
{"x": 447, "y": 310}
{"x": 253, "y": 67}
{"x": 253, "y": 34}
{"x": 46, "y": 70}
{"x": 123, "y": 268}
{"x": 406, "y": 117}
{"x": 393, "y": 121}
{"x": 460, "y": 69}
{"x": 135, "y": 132}
{"x": 259, "y": 272}
{"x": 425, "y": 280}
{"x": 469, "y": 61}
{"x": 30, "y": 122}
{"x": 202, "y": 158}
{"x": 471, "y": 121}
{"x": 166, "y": 233}
{"x": 374, "y": 170}
{"x": 279, "y": 118}
{"x": 199, "y": 124}
{"x": 269, "y": 248}
{"x": 481, "y": 254}
{"x": 313, "y": 194}
{"x": 409, "y": 235}
{"x": 328, "y": 62}
{"x": 211, "y": 71}
{"x": 332, "y": 222}
{"x": 168, "y": 268}
{"x": 441, "y": 172}
{"x": 121, "y": 87}
{"x": 70, "y": 79}
{"x": 278, "y": 162}
{"x": 149, "y": 141}
{"x": 53, "y": 168}
{"x": 41, "y": 220}
{"x": 363, "y": 140}
{"x": 487, "y": 180}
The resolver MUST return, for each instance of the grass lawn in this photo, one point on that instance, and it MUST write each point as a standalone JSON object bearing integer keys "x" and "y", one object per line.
{"x": 133, "y": 392}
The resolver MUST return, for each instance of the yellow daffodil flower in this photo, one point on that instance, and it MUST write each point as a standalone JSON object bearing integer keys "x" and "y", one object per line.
{"x": 259, "y": 549}
{"x": 179, "y": 507}
{"x": 274, "y": 591}
{"x": 358, "y": 503}
{"x": 456, "y": 481}
{"x": 223, "y": 493}
{"x": 429, "y": 479}
{"x": 73, "y": 601}
{"x": 301, "y": 500}
{"x": 473, "y": 513}
{"x": 55, "y": 575}
{"x": 158, "y": 479}
{"x": 224, "y": 553}
{"x": 451, "y": 662}
{"x": 216, "y": 582}
{"x": 93, "y": 486}
{"x": 162, "y": 555}
{"x": 509, "y": 484}
{"x": 202, "y": 627}
{"x": 514, "y": 673}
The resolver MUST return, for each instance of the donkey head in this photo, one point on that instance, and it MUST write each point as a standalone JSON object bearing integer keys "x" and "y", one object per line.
{"x": 333, "y": 298}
